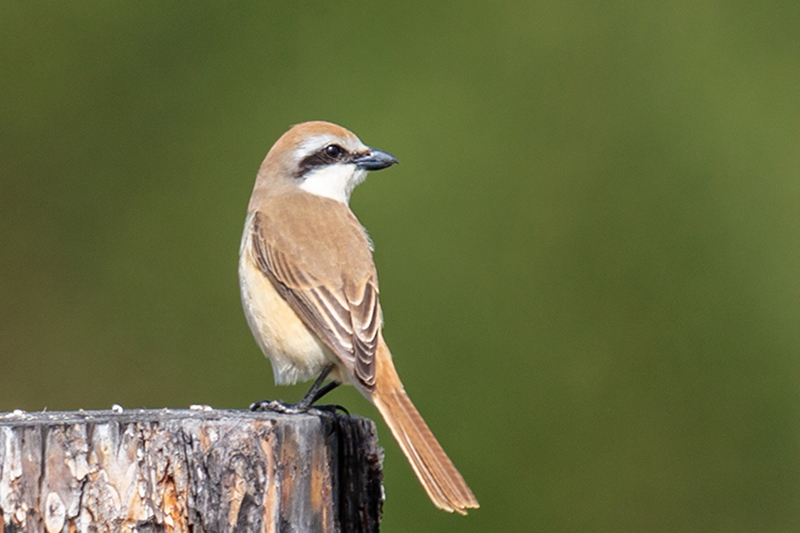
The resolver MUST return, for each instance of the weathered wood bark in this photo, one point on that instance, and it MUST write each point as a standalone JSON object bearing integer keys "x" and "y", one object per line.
{"x": 186, "y": 470}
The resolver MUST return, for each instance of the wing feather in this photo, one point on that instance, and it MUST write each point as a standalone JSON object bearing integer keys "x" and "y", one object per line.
{"x": 346, "y": 318}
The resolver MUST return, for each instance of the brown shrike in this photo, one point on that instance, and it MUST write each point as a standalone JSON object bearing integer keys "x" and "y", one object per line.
{"x": 310, "y": 291}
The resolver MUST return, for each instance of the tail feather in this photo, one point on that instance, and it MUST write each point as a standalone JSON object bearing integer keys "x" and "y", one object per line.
{"x": 437, "y": 474}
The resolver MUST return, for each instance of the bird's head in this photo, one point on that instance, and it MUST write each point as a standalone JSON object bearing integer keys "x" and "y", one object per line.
{"x": 323, "y": 159}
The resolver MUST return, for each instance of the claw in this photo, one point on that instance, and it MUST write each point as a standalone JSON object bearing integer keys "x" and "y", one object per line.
{"x": 278, "y": 407}
{"x": 331, "y": 408}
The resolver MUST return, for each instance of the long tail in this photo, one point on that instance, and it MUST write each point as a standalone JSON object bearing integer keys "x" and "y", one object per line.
{"x": 443, "y": 483}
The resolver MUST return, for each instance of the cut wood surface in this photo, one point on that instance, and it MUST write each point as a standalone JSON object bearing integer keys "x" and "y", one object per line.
{"x": 188, "y": 470}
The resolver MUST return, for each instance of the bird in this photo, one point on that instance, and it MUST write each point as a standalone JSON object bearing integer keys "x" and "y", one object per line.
{"x": 309, "y": 290}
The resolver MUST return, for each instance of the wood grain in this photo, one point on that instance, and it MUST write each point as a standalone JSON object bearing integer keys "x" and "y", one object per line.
{"x": 188, "y": 470}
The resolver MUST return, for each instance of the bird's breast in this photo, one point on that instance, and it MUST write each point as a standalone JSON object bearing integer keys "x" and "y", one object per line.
{"x": 295, "y": 352}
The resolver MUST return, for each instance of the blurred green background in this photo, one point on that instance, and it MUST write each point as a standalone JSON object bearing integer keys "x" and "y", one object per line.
{"x": 589, "y": 255}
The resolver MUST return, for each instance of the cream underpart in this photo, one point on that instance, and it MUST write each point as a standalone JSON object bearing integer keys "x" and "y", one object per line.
{"x": 295, "y": 352}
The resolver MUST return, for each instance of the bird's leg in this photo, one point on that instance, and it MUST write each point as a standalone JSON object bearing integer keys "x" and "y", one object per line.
{"x": 316, "y": 392}
{"x": 324, "y": 390}
{"x": 331, "y": 408}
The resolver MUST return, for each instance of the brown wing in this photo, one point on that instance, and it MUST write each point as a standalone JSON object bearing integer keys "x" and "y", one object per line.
{"x": 346, "y": 318}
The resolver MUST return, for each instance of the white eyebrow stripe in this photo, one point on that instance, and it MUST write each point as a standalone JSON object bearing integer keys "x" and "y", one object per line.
{"x": 315, "y": 143}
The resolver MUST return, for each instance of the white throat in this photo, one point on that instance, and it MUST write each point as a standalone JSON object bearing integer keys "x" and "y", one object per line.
{"x": 334, "y": 181}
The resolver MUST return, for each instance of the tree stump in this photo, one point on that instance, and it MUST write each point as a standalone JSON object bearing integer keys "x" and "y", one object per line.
{"x": 188, "y": 471}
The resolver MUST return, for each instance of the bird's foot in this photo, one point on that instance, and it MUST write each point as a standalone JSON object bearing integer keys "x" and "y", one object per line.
{"x": 277, "y": 406}
{"x": 331, "y": 408}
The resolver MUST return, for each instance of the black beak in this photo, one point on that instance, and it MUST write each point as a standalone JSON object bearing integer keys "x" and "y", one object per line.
{"x": 375, "y": 160}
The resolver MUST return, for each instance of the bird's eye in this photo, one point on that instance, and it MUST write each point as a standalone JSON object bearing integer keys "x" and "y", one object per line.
{"x": 334, "y": 151}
